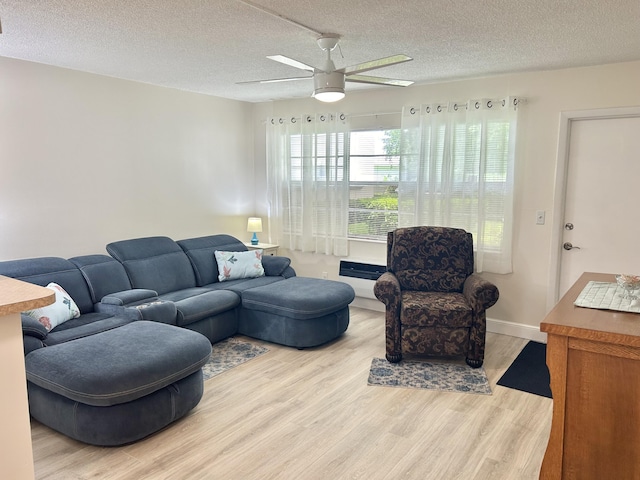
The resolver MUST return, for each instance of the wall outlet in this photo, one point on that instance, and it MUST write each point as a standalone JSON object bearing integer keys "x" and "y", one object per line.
{"x": 324, "y": 275}
{"x": 540, "y": 217}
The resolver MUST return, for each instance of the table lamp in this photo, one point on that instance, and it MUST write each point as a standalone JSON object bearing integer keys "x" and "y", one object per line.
{"x": 254, "y": 225}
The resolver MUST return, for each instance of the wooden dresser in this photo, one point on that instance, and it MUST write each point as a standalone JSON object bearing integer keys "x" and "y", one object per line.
{"x": 594, "y": 361}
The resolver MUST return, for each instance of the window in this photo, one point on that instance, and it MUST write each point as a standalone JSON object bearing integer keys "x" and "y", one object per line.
{"x": 331, "y": 179}
{"x": 456, "y": 170}
{"x": 374, "y": 171}
{"x": 307, "y": 183}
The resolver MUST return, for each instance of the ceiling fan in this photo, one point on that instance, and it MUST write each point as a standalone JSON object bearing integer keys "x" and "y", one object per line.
{"x": 328, "y": 81}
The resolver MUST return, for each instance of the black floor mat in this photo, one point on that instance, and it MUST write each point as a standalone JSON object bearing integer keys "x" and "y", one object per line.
{"x": 529, "y": 372}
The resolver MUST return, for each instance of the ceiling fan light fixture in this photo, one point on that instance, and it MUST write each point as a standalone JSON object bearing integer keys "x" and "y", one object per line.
{"x": 328, "y": 86}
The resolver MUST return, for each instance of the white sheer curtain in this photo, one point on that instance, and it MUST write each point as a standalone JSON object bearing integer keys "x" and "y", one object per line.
{"x": 308, "y": 182}
{"x": 456, "y": 170}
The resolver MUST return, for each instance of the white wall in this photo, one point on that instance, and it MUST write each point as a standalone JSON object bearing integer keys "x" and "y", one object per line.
{"x": 87, "y": 159}
{"x": 522, "y": 293}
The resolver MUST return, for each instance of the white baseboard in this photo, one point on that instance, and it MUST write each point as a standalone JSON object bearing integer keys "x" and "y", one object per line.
{"x": 494, "y": 326}
{"x": 368, "y": 303}
{"x": 519, "y": 330}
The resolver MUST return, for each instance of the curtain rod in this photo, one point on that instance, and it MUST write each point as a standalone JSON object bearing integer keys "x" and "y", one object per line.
{"x": 373, "y": 114}
{"x": 364, "y": 115}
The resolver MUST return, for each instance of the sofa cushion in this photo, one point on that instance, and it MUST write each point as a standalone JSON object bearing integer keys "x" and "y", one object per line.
{"x": 84, "y": 326}
{"x": 193, "y": 306}
{"x": 299, "y": 297}
{"x": 61, "y": 310}
{"x": 238, "y": 265}
{"x": 156, "y": 263}
{"x": 120, "y": 365}
{"x": 201, "y": 250}
{"x": 240, "y": 286}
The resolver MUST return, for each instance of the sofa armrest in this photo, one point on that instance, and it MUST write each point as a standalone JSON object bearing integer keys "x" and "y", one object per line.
{"x": 480, "y": 293}
{"x": 146, "y": 308}
{"x": 33, "y": 333}
{"x": 289, "y": 272}
{"x": 275, "y": 265}
{"x": 33, "y": 328}
{"x": 129, "y": 296}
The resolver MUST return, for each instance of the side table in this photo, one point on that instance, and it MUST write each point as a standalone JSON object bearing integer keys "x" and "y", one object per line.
{"x": 267, "y": 248}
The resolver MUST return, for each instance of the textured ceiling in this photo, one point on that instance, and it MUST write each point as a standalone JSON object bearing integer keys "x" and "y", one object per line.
{"x": 207, "y": 46}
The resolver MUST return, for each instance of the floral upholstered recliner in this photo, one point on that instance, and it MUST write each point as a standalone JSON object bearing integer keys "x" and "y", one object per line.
{"x": 435, "y": 304}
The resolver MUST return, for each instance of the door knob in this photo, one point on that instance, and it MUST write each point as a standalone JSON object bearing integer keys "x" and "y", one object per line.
{"x": 568, "y": 246}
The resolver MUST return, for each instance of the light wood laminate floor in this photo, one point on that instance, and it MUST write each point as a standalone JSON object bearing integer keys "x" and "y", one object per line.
{"x": 310, "y": 414}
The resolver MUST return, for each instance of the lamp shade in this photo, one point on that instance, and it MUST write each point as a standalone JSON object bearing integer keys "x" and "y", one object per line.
{"x": 328, "y": 86}
{"x": 254, "y": 224}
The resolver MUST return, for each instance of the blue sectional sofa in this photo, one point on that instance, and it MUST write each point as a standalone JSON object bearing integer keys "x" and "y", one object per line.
{"x": 149, "y": 313}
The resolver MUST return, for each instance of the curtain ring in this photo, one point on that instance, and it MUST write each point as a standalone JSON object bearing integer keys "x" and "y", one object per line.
{"x": 489, "y": 104}
{"x": 477, "y": 105}
{"x": 504, "y": 102}
{"x": 293, "y": 120}
{"x": 412, "y": 111}
{"x": 343, "y": 116}
{"x": 322, "y": 118}
{"x": 428, "y": 109}
{"x": 439, "y": 108}
{"x": 515, "y": 102}
{"x": 309, "y": 119}
{"x": 455, "y": 107}
{"x": 273, "y": 121}
{"x": 281, "y": 121}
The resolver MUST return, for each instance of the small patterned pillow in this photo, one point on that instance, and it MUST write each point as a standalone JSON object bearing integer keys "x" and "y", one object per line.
{"x": 236, "y": 265}
{"x": 63, "y": 309}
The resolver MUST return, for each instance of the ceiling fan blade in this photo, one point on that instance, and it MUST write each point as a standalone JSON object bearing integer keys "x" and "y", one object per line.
{"x": 379, "y": 63}
{"x": 275, "y": 80}
{"x": 291, "y": 62}
{"x": 378, "y": 80}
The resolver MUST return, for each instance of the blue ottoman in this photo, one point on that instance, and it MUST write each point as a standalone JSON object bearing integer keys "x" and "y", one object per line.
{"x": 117, "y": 386}
{"x": 298, "y": 312}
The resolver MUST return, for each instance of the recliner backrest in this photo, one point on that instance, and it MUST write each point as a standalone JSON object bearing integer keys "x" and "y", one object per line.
{"x": 201, "y": 254}
{"x": 435, "y": 259}
{"x": 156, "y": 263}
{"x": 44, "y": 270}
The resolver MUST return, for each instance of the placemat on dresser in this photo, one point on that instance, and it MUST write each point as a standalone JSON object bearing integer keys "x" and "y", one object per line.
{"x": 606, "y": 296}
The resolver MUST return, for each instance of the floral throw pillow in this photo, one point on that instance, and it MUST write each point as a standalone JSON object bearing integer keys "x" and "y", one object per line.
{"x": 236, "y": 265}
{"x": 63, "y": 309}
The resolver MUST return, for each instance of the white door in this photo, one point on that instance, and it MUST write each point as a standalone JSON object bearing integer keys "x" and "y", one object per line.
{"x": 602, "y": 203}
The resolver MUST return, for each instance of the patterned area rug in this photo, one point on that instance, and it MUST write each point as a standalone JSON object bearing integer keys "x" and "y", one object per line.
{"x": 450, "y": 377}
{"x": 230, "y": 353}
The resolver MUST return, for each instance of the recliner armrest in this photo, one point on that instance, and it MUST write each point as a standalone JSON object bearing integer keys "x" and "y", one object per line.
{"x": 129, "y": 296}
{"x": 387, "y": 290}
{"x": 480, "y": 293}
